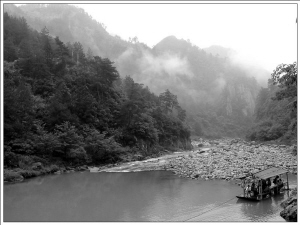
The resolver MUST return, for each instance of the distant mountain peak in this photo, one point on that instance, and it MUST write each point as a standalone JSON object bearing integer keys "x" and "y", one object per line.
{"x": 171, "y": 44}
{"x": 219, "y": 50}
{"x": 170, "y": 38}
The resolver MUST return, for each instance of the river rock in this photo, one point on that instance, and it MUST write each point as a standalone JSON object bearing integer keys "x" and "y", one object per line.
{"x": 290, "y": 213}
{"x": 234, "y": 158}
{"x": 290, "y": 207}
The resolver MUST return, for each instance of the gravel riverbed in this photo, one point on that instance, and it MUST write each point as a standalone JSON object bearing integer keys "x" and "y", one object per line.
{"x": 230, "y": 159}
{"x": 219, "y": 159}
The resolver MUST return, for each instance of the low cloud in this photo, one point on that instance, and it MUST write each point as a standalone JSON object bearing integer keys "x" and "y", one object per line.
{"x": 156, "y": 72}
{"x": 174, "y": 72}
{"x": 166, "y": 63}
{"x": 251, "y": 67}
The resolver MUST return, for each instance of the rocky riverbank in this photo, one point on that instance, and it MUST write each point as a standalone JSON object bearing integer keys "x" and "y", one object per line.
{"x": 290, "y": 207}
{"x": 219, "y": 159}
{"x": 150, "y": 164}
{"x": 230, "y": 159}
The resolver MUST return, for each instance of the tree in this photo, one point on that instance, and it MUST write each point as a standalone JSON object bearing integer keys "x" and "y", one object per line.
{"x": 10, "y": 50}
{"x": 47, "y": 46}
{"x": 85, "y": 105}
{"x": 285, "y": 76}
{"x": 60, "y": 104}
{"x": 78, "y": 55}
{"x": 276, "y": 106}
{"x": 18, "y": 103}
{"x": 69, "y": 139}
{"x": 89, "y": 54}
{"x": 105, "y": 70}
{"x": 60, "y": 107}
{"x": 62, "y": 50}
{"x": 100, "y": 148}
{"x": 15, "y": 28}
{"x": 168, "y": 101}
{"x": 45, "y": 143}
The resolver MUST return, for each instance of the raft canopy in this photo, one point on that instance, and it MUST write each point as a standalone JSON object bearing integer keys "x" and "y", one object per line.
{"x": 271, "y": 172}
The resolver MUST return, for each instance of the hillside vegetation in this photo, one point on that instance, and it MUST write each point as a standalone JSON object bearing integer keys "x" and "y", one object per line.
{"x": 74, "y": 94}
{"x": 218, "y": 96}
{"x": 62, "y": 106}
{"x": 276, "y": 107}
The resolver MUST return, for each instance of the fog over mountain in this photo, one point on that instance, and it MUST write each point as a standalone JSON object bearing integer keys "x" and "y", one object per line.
{"x": 215, "y": 85}
{"x": 77, "y": 98}
{"x": 251, "y": 68}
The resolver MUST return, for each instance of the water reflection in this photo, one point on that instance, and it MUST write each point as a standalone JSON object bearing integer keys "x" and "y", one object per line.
{"x": 262, "y": 210}
{"x": 142, "y": 196}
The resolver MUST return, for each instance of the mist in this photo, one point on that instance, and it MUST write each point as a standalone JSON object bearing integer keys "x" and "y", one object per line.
{"x": 251, "y": 67}
{"x": 173, "y": 71}
{"x": 157, "y": 72}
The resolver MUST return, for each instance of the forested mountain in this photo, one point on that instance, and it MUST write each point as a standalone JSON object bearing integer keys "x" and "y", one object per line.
{"x": 71, "y": 24}
{"x": 218, "y": 95}
{"x": 63, "y": 105}
{"x": 276, "y": 107}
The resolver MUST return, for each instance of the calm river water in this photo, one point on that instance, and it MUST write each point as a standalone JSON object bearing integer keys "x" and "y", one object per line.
{"x": 140, "y": 196}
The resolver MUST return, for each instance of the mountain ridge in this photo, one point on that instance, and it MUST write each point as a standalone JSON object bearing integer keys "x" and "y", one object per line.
{"x": 205, "y": 84}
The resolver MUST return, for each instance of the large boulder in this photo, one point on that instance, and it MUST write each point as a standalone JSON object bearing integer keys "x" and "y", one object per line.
{"x": 290, "y": 208}
{"x": 290, "y": 213}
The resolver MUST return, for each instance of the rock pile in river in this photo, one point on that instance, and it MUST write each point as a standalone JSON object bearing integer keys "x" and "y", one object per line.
{"x": 230, "y": 159}
{"x": 290, "y": 207}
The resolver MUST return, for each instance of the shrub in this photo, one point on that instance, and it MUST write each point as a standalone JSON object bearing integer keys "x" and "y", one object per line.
{"x": 77, "y": 155}
{"x": 12, "y": 176}
{"x": 29, "y": 173}
{"x": 10, "y": 159}
{"x": 101, "y": 149}
{"x": 44, "y": 142}
{"x": 53, "y": 168}
{"x": 25, "y": 162}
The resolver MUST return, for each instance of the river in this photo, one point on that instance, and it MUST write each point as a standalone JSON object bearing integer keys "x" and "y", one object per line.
{"x": 135, "y": 196}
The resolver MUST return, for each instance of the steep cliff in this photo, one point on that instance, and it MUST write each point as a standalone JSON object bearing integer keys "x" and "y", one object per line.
{"x": 241, "y": 95}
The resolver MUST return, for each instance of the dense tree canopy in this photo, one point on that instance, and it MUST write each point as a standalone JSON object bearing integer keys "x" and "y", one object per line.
{"x": 276, "y": 107}
{"x": 217, "y": 95}
{"x": 63, "y": 103}
{"x": 285, "y": 75}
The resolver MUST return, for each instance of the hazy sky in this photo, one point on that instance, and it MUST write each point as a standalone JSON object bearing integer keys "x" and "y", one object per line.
{"x": 265, "y": 34}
